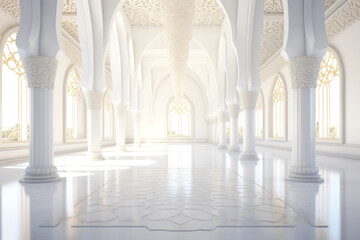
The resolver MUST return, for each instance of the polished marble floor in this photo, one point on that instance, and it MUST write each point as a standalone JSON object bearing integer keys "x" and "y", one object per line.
{"x": 181, "y": 191}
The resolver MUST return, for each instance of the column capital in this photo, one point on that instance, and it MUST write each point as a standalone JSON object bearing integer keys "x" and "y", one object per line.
{"x": 234, "y": 110}
{"x": 304, "y": 71}
{"x": 40, "y": 71}
{"x": 93, "y": 99}
{"x": 121, "y": 109}
{"x": 248, "y": 99}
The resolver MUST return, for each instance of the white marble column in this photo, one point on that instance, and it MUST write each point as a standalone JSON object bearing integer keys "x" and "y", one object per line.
{"x": 40, "y": 73}
{"x": 137, "y": 127}
{"x": 304, "y": 73}
{"x": 93, "y": 103}
{"x": 234, "y": 110}
{"x": 248, "y": 101}
{"x": 121, "y": 110}
{"x": 149, "y": 124}
{"x": 222, "y": 116}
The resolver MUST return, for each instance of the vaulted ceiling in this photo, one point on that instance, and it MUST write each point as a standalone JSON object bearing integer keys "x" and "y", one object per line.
{"x": 209, "y": 13}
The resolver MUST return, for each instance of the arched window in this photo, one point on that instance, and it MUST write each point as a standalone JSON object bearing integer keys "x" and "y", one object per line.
{"x": 180, "y": 118}
{"x": 241, "y": 122}
{"x": 278, "y": 109}
{"x": 259, "y": 126}
{"x": 328, "y": 99}
{"x": 73, "y": 96}
{"x": 108, "y": 116}
{"x": 15, "y": 108}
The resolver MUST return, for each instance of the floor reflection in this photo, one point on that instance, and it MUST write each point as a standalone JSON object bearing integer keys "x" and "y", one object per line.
{"x": 184, "y": 187}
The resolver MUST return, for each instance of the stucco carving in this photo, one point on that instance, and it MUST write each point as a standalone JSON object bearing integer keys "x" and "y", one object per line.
{"x": 147, "y": 12}
{"x": 72, "y": 28}
{"x": 69, "y": 6}
{"x": 272, "y": 39}
{"x": 93, "y": 100}
{"x": 304, "y": 71}
{"x": 248, "y": 100}
{"x": 343, "y": 18}
{"x": 40, "y": 71}
{"x": 276, "y": 6}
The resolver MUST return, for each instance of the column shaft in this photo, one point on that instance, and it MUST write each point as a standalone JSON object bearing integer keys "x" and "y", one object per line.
{"x": 121, "y": 110}
{"x": 222, "y": 115}
{"x": 234, "y": 110}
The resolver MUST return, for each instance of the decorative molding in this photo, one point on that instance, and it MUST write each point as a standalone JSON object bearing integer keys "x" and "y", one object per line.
{"x": 93, "y": 100}
{"x": 276, "y": 6}
{"x": 72, "y": 52}
{"x": 147, "y": 13}
{"x": 304, "y": 71}
{"x": 248, "y": 100}
{"x": 69, "y": 7}
{"x": 347, "y": 15}
{"x": 40, "y": 71}
{"x": 272, "y": 39}
{"x": 72, "y": 28}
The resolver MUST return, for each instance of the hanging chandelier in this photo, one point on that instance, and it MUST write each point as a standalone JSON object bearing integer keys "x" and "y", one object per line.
{"x": 177, "y": 17}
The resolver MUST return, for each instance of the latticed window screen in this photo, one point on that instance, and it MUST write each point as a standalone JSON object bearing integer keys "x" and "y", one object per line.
{"x": 108, "y": 115}
{"x": 259, "y": 126}
{"x": 73, "y": 96}
{"x": 180, "y": 118}
{"x": 241, "y": 122}
{"x": 15, "y": 109}
{"x": 278, "y": 109}
{"x": 328, "y": 99}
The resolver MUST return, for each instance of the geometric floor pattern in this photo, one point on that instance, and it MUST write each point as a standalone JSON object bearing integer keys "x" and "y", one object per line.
{"x": 182, "y": 200}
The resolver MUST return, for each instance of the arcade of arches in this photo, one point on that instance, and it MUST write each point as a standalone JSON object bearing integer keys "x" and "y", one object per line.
{"x": 179, "y": 119}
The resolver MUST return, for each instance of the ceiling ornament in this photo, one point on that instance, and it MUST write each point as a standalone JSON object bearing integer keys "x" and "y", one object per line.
{"x": 72, "y": 28}
{"x": 343, "y": 18}
{"x": 272, "y": 39}
{"x": 177, "y": 16}
{"x": 69, "y": 7}
{"x": 148, "y": 13}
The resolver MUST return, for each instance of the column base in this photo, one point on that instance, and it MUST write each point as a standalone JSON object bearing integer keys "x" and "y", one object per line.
{"x": 304, "y": 178}
{"x": 252, "y": 156}
{"x": 95, "y": 156}
{"x": 40, "y": 179}
{"x": 234, "y": 149}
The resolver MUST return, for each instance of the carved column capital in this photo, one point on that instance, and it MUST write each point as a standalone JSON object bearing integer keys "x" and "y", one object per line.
{"x": 234, "y": 110}
{"x": 40, "y": 71}
{"x": 93, "y": 99}
{"x": 121, "y": 109}
{"x": 304, "y": 71}
{"x": 248, "y": 99}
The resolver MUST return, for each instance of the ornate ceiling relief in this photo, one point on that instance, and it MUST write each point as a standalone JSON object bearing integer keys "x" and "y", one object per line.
{"x": 343, "y": 18}
{"x": 272, "y": 39}
{"x": 147, "y": 13}
{"x": 11, "y": 7}
{"x": 72, "y": 29}
{"x": 69, "y": 6}
{"x": 273, "y": 6}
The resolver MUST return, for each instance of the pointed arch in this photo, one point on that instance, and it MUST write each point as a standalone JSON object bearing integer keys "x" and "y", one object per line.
{"x": 180, "y": 117}
{"x": 278, "y": 109}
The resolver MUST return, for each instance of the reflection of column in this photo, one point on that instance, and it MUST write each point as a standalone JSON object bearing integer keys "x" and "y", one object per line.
{"x": 304, "y": 72}
{"x": 41, "y": 72}
{"x": 93, "y": 104}
{"x": 302, "y": 196}
{"x": 44, "y": 207}
{"x": 234, "y": 158}
{"x": 248, "y": 101}
{"x": 234, "y": 110}
{"x": 249, "y": 169}
{"x": 222, "y": 115}
{"x": 121, "y": 111}
{"x": 137, "y": 125}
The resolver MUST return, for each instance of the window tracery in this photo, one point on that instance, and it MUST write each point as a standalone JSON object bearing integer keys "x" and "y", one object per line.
{"x": 180, "y": 118}
{"x": 73, "y": 95}
{"x": 278, "y": 109}
{"x": 259, "y": 126}
{"x": 328, "y": 99}
{"x": 15, "y": 123}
